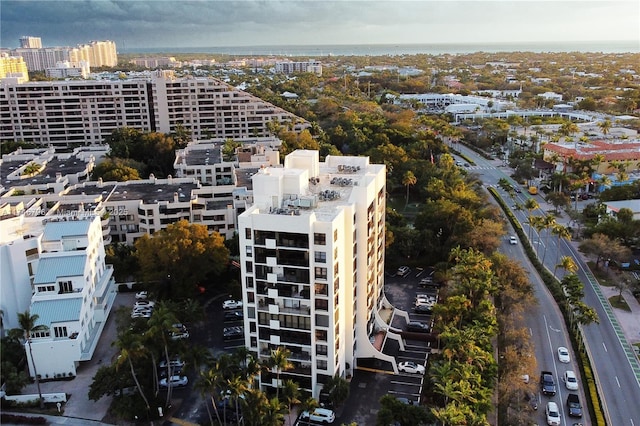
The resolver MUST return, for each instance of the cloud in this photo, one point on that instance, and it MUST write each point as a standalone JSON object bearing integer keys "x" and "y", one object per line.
{"x": 160, "y": 23}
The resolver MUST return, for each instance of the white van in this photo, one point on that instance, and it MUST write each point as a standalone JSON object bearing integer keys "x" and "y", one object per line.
{"x": 320, "y": 415}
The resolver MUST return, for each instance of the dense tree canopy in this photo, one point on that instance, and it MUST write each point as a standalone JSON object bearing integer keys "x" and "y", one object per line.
{"x": 179, "y": 259}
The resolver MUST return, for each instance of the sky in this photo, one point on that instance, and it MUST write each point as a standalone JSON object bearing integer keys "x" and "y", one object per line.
{"x": 217, "y": 23}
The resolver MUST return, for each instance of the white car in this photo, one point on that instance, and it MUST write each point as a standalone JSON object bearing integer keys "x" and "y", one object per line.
{"x": 570, "y": 380}
{"x": 402, "y": 271}
{"x": 320, "y": 415}
{"x": 142, "y": 295}
{"x": 563, "y": 355}
{"x": 553, "y": 414}
{"x": 231, "y": 304}
{"x": 174, "y": 382}
{"x": 144, "y": 303}
{"x": 141, "y": 315}
{"x": 513, "y": 240}
{"x": 411, "y": 367}
{"x": 175, "y": 362}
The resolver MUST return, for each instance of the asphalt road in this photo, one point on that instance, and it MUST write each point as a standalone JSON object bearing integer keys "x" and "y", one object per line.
{"x": 616, "y": 369}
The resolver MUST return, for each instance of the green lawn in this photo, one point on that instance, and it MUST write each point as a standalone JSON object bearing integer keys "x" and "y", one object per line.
{"x": 619, "y": 302}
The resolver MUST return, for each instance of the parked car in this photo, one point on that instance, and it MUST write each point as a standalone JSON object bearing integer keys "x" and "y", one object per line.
{"x": 417, "y": 327}
{"x": 174, "y": 382}
{"x": 233, "y": 316}
{"x": 179, "y": 331}
{"x": 423, "y": 309}
{"x": 411, "y": 367}
{"x": 402, "y": 271}
{"x": 231, "y": 304}
{"x": 553, "y": 414}
{"x": 570, "y": 380}
{"x": 144, "y": 303}
{"x": 405, "y": 400}
{"x": 142, "y": 295}
{"x": 320, "y": 415}
{"x": 174, "y": 362}
{"x": 229, "y": 333}
{"x": 137, "y": 314}
{"x": 563, "y": 355}
{"x": 513, "y": 240}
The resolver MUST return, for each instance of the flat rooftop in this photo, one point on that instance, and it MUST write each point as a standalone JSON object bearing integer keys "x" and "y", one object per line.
{"x": 149, "y": 193}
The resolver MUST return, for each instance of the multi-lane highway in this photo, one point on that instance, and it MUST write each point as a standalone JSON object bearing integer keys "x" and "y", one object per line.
{"x": 616, "y": 368}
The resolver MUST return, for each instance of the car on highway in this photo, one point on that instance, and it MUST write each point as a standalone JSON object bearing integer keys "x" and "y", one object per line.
{"x": 570, "y": 380}
{"x": 320, "y": 415}
{"x": 231, "y": 304}
{"x": 229, "y": 333}
{"x": 411, "y": 367}
{"x": 553, "y": 414}
{"x": 402, "y": 271}
{"x": 417, "y": 327}
{"x": 563, "y": 355}
{"x": 174, "y": 382}
{"x": 513, "y": 240}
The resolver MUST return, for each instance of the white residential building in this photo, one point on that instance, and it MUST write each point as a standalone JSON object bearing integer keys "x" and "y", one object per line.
{"x": 73, "y": 295}
{"x": 83, "y": 112}
{"x": 312, "y": 260}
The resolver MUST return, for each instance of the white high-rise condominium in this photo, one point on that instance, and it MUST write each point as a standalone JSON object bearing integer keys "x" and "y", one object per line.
{"x": 28, "y": 42}
{"x": 312, "y": 260}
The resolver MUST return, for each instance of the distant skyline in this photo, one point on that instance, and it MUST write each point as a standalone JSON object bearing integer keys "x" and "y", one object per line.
{"x": 137, "y": 24}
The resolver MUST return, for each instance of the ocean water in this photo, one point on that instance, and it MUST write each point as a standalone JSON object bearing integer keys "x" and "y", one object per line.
{"x": 400, "y": 49}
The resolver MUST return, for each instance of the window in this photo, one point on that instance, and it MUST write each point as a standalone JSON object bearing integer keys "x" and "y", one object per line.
{"x": 335, "y": 235}
{"x": 321, "y": 335}
{"x": 249, "y": 266}
{"x": 66, "y": 286}
{"x": 42, "y": 333}
{"x": 320, "y": 257}
{"x": 322, "y": 289}
{"x": 321, "y": 273}
{"x": 46, "y": 288}
{"x": 319, "y": 239}
{"x": 322, "y": 305}
{"x": 249, "y": 251}
{"x": 247, "y": 233}
{"x": 322, "y": 349}
{"x": 322, "y": 364}
{"x": 60, "y": 331}
{"x": 249, "y": 282}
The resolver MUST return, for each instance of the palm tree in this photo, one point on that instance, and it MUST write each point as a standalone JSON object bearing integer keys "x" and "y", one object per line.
{"x": 130, "y": 347}
{"x": 279, "y": 361}
{"x": 537, "y": 223}
{"x": 567, "y": 263}
{"x": 290, "y": 394}
{"x": 562, "y": 232}
{"x": 28, "y": 326}
{"x": 273, "y": 413}
{"x": 408, "y": 179}
{"x": 605, "y": 125}
{"x": 210, "y": 382}
{"x": 236, "y": 387}
{"x": 531, "y": 205}
{"x": 161, "y": 324}
{"x": 253, "y": 405}
{"x": 337, "y": 388}
{"x": 549, "y": 222}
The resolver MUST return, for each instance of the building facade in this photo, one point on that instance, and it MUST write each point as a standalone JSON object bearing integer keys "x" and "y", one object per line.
{"x": 312, "y": 261}
{"x": 73, "y": 295}
{"x": 84, "y": 112}
{"x": 28, "y": 42}
{"x": 13, "y": 67}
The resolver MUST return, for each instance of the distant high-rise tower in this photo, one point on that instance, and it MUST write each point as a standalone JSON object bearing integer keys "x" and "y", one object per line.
{"x": 28, "y": 42}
